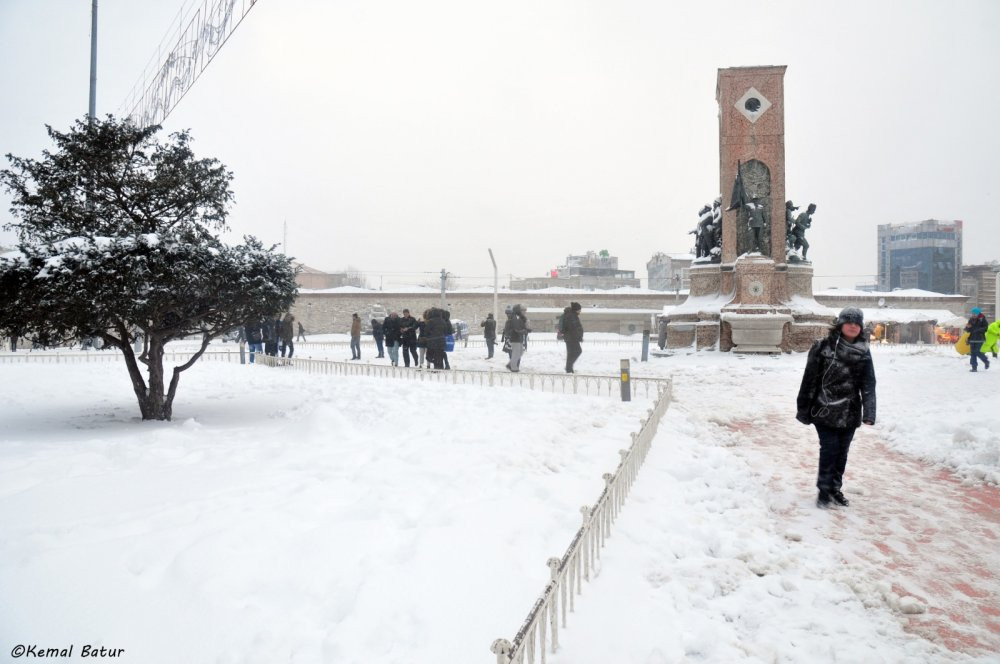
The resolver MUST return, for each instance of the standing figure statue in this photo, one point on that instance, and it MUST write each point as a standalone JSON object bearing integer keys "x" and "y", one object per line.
{"x": 757, "y": 221}
{"x": 702, "y": 233}
{"x": 803, "y": 222}
{"x": 790, "y": 209}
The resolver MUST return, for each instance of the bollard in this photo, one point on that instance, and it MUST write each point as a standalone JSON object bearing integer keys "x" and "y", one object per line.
{"x": 626, "y": 385}
{"x": 645, "y": 345}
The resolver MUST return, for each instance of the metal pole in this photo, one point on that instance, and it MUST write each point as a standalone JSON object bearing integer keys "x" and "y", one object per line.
{"x": 444, "y": 276}
{"x": 626, "y": 384}
{"x": 496, "y": 280}
{"x": 92, "y": 112}
{"x": 645, "y": 345}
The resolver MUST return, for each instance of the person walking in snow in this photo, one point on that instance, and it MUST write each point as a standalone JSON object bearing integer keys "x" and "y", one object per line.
{"x": 435, "y": 330}
{"x": 390, "y": 328}
{"x": 302, "y": 333}
{"x": 408, "y": 337}
{"x": 572, "y": 333}
{"x": 515, "y": 332}
{"x": 977, "y": 337}
{"x": 837, "y": 395}
{"x": 379, "y": 335}
{"x": 355, "y": 337}
{"x": 286, "y": 332}
{"x": 992, "y": 335}
{"x": 255, "y": 338}
{"x": 269, "y": 331}
{"x": 490, "y": 334}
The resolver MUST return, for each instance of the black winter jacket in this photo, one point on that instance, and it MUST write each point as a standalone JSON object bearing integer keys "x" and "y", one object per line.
{"x": 977, "y": 329}
{"x": 434, "y": 332}
{"x": 572, "y": 327}
{"x": 838, "y": 386}
{"x": 408, "y": 329}
{"x": 390, "y": 328}
{"x": 516, "y": 328}
{"x": 489, "y": 328}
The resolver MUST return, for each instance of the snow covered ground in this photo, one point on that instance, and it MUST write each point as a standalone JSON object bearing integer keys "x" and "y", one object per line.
{"x": 293, "y": 517}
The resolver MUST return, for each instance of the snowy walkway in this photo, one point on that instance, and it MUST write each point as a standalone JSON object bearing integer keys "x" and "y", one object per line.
{"x": 720, "y": 554}
{"x": 929, "y": 543}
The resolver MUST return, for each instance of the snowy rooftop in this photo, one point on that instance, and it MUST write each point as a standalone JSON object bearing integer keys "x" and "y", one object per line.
{"x": 625, "y": 290}
{"x": 902, "y": 292}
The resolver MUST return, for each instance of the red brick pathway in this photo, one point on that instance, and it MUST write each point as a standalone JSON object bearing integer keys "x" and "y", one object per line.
{"x": 911, "y": 527}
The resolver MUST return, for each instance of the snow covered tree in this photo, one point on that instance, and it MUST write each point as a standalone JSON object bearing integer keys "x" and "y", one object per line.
{"x": 118, "y": 239}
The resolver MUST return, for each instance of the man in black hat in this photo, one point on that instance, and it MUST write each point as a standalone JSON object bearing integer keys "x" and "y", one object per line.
{"x": 572, "y": 330}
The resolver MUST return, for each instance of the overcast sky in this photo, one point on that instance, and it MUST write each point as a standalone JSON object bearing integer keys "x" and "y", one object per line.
{"x": 400, "y": 136}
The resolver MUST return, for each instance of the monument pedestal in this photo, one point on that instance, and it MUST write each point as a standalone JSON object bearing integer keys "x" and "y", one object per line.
{"x": 754, "y": 321}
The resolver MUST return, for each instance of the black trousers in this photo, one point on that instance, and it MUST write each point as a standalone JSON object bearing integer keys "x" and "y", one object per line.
{"x": 409, "y": 347}
{"x": 490, "y": 343}
{"x": 573, "y": 351}
{"x": 834, "y": 444}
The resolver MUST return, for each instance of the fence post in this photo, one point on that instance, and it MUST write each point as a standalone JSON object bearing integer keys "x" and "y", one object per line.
{"x": 645, "y": 345}
{"x": 501, "y": 648}
{"x": 625, "y": 383}
{"x": 553, "y": 564}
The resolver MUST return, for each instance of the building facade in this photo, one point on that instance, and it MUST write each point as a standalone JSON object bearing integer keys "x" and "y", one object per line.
{"x": 979, "y": 283}
{"x": 669, "y": 272}
{"x": 590, "y": 271}
{"x": 926, "y": 255}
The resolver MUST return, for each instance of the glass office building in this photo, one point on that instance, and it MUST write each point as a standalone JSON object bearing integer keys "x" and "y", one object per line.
{"x": 925, "y": 255}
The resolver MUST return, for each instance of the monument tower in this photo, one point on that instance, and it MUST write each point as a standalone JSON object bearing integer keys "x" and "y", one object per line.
{"x": 745, "y": 300}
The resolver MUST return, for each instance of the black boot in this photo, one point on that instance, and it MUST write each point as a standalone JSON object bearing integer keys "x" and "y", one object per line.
{"x": 839, "y": 498}
{"x": 823, "y": 500}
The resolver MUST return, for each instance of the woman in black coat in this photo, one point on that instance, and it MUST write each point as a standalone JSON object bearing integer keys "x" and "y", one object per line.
{"x": 837, "y": 396}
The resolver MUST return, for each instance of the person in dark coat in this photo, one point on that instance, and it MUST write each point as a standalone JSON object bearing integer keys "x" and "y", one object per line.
{"x": 422, "y": 338}
{"x": 255, "y": 338}
{"x": 572, "y": 330}
{"x": 448, "y": 329}
{"x": 302, "y": 333}
{"x": 269, "y": 332}
{"x": 379, "y": 335}
{"x": 977, "y": 337}
{"x": 286, "y": 333}
{"x": 490, "y": 334}
{"x": 390, "y": 328}
{"x": 435, "y": 330}
{"x": 837, "y": 395}
{"x": 408, "y": 337}
{"x": 516, "y": 332}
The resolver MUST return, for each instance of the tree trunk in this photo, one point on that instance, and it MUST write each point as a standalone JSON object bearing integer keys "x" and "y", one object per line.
{"x": 154, "y": 405}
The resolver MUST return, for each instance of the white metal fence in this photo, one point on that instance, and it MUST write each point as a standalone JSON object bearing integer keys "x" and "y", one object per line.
{"x": 479, "y": 342}
{"x": 107, "y": 356}
{"x": 539, "y": 633}
{"x": 547, "y": 382}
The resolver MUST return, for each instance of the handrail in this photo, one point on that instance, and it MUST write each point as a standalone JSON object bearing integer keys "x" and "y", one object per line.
{"x": 541, "y": 627}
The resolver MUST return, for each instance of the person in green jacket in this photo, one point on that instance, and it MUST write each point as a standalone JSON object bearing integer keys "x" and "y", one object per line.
{"x": 992, "y": 334}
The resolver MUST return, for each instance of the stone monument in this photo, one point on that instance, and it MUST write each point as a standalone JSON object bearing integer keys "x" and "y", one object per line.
{"x": 753, "y": 299}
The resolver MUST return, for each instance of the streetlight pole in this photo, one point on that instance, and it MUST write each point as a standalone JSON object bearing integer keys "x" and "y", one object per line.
{"x": 496, "y": 279}
{"x": 93, "y": 61}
